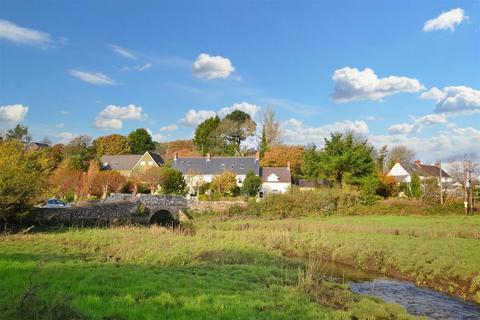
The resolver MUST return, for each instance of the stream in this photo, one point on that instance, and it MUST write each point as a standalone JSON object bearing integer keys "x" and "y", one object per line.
{"x": 418, "y": 301}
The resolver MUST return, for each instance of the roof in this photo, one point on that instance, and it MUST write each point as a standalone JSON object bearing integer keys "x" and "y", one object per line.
{"x": 304, "y": 183}
{"x": 156, "y": 157}
{"x": 431, "y": 171}
{"x": 127, "y": 161}
{"x": 120, "y": 161}
{"x": 216, "y": 165}
{"x": 283, "y": 174}
{"x": 38, "y": 144}
{"x": 424, "y": 170}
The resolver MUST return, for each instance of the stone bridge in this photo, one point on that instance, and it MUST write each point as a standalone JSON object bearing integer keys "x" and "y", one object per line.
{"x": 117, "y": 209}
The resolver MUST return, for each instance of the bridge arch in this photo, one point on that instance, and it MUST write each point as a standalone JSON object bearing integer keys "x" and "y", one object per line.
{"x": 164, "y": 218}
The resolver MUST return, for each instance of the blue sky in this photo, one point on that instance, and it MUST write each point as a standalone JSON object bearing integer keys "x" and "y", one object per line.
{"x": 404, "y": 72}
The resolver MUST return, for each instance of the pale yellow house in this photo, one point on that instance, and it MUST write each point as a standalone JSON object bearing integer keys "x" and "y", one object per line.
{"x": 128, "y": 163}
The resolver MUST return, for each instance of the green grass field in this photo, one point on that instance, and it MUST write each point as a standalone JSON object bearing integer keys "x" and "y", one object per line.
{"x": 234, "y": 269}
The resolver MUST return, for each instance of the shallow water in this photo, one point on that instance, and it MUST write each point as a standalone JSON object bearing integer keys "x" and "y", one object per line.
{"x": 418, "y": 301}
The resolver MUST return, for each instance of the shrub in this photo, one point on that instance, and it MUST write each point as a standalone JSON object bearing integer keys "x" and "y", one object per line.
{"x": 22, "y": 177}
{"x": 368, "y": 189}
{"x": 224, "y": 184}
{"x": 172, "y": 182}
{"x": 251, "y": 184}
{"x": 387, "y": 186}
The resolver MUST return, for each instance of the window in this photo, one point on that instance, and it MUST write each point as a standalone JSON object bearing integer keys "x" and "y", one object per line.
{"x": 240, "y": 180}
{"x": 51, "y": 201}
{"x": 232, "y": 166}
{"x": 182, "y": 162}
{"x": 242, "y": 166}
{"x": 142, "y": 163}
{"x": 150, "y": 163}
{"x": 222, "y": 166}
{"x": 189, "y": 162}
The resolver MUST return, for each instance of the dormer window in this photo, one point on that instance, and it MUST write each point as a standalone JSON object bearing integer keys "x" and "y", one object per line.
{"x": 242, "y": 166}
{"x": 182, "y": 162}
{"x": 222, "y": 166}
{"x": 232, "y": 166}
{"x": 189, "y": 163}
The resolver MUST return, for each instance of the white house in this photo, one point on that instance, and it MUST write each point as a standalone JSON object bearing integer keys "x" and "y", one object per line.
{"x": 275, "y": 180}
{"x": 200, "y": 170}
{"x": 402, "y": 172}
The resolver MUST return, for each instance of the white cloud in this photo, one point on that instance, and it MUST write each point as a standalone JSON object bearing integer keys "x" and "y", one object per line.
{"x": 65, "y": 137}
{"x": 14, "y": 33}
{"x": 95, "y": 78}
{"x": 108, "y": 124}
{"x": 447, "y": 20}
{"x": 13, "y": 114}
{"x": 138, "y": 68}
{"x": 454, "y": 99}
{"x": 158, "y": 137}
{"x": 446, "y": 144}
{"x": 296, "y": 132}
{"x": 194, "y": 117}
{"x": 123, "y": 52}
{"x": 171, "y": 127}
{"x": 418, "y": 124}
{"x": 246, "y": 107}
{"x": 60, "y": 125}
{"x": 352, "y": 84}
{"x": 112, "y": 116}
{"x": 212, "y": 67}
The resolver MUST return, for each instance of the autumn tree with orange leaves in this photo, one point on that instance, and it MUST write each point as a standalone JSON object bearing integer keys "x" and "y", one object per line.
{"x": 280, "y": 155}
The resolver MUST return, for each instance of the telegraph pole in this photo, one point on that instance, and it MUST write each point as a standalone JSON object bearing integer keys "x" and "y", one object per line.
{"x": 465, "y": 194}
{"x": 441, "y": 182}
{"x": 472, "y": 185}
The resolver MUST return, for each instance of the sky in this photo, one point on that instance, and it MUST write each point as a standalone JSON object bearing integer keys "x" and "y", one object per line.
{"x": 397, "y": 72}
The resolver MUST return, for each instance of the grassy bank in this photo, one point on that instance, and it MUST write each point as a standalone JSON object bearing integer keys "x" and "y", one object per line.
{"x": 234, "y": 269}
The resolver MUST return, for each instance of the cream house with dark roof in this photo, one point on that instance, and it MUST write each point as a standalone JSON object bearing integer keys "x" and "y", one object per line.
{"x": 200, "y": 170}
{"x": 125, "y": 164}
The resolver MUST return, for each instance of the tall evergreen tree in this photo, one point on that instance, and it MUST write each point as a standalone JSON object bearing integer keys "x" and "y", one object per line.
{"x": 140, "y": 141}
{"x": 346, "y": 158}
{"x": 263, "y": 147}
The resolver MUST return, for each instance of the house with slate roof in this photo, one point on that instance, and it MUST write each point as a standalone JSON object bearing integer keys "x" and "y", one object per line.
{"x": 200, "y": 170}
{"x": 125, "y": 164}
{"x": 402, "y": 172}
{"x": 275, "y": 180}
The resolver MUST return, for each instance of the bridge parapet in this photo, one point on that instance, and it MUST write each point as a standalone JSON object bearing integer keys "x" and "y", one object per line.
{"x": 116, "y": 208}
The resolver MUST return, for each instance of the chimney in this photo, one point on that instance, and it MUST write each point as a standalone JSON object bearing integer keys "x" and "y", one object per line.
{"x": 418, "y": 163}
{"x": 398, "y": 160}
{"x": 257, "y": 155}
{"x": 288, "y": 165}
{"x": 209, "y": 157}
{"x": 175, "y": 157}
{"x": 437, "y": 164}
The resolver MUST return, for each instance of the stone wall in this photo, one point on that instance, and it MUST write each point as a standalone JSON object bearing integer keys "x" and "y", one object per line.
{"x": 216, "y": 206}
{"x": 115, "y": 209}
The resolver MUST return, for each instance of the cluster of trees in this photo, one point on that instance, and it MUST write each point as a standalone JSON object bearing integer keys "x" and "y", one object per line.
{"x": 226, "y": 136}
{"x": 72, "y": 171}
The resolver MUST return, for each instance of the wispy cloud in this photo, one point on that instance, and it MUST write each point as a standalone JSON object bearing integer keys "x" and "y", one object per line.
{"x": 14, "y": 33}
{"x": 95, "y": 78}
{"x": 138, "y": 68}
{"x": 123, "y": 52}
{"x": 292, "y": 106}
